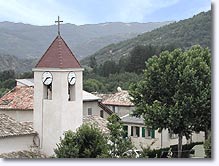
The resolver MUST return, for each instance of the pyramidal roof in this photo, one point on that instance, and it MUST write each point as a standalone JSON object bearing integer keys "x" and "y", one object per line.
{"x": 58, "y": 55}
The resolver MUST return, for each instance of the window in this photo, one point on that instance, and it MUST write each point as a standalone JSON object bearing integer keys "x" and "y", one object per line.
{"x": 172, "y": 135}
{"x": 101, "y": 114}
{"x": 114, "y": 108}
{"x": 71, "y": 92}
{"x": 47, "y": 92}
{"x": 89, "y": 111}
{"x": 151, "y": 133}
{"x": 135, "y": 131}
{"x": 148, "y": 133}
{"x": 143, "y": 131}
{"x": 125, "y": 128}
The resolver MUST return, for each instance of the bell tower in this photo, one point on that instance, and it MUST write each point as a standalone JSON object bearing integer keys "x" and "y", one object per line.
{"x": 58, "y": 103}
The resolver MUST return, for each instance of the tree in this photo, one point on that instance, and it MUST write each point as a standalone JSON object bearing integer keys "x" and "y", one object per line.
{"x": 93, "y": 62}
{"x": 175, "y": 93}
{"x": 87, "y": 142}
{"x": 92, "y": 85}
{"x": 118, "y": 144}
{"x": 138, "y": 56}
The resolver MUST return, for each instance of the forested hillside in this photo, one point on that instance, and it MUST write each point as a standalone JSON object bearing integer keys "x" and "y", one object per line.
{"x": 9, "y": 62}
{"x": 30, "y": 41}
{"x": 182, "y": 34}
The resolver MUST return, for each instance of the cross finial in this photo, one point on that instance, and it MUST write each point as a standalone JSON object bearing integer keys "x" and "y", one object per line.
{"x": 58, "y": 25}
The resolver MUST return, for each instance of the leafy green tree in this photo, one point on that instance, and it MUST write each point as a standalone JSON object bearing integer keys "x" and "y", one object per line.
{"x": 7, "y": 74}
{"x": 138, "y": 56}
{"x": 93, "y": 62}
{"x": 92, "y": 85}
{"x": 87, "y": 142}
{"x": 118, "y": 144}
{"x": 109, "y": 67}
{"x": 175, "y": 92}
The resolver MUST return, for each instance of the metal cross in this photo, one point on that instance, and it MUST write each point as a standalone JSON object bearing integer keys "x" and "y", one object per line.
{"x": 58, "y": 25}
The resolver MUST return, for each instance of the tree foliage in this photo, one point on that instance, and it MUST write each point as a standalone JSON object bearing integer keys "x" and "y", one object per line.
{"x": 175, "y": 92}
{"x": 118, "y": 143}
{"x": 87, "y": 142}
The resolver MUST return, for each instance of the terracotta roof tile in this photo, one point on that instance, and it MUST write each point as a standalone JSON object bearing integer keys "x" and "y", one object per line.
{"x": 20, "y": 98}
{"x": 121, "y": 98}
{"x": 58, "y": 55}
{"x": 10, "y": 127}
{"x": 101, "y": 123}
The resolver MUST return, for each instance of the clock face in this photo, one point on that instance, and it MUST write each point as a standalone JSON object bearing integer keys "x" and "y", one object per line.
{"x": 47, "y": 78}
{"x": 71, "y": 78}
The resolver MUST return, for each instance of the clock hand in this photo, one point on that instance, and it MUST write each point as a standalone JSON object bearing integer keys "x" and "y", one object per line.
{"x": 46, "y": 79}
{"x": 72, "y": 79}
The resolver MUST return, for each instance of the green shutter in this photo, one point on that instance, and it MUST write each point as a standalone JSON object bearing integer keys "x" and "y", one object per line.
{"x": 131, "y": 130}
{"x": 143, "y": 131}
{"x": 152, "y": 133}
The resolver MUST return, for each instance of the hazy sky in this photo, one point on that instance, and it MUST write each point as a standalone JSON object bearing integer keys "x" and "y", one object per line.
{"x": 45, "y": 12}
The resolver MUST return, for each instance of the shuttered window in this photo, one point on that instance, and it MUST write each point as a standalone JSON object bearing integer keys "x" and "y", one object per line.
{"x": 125, "y": 128}
{"x": 131, "y": 130}
{"x": 143, "y": 131}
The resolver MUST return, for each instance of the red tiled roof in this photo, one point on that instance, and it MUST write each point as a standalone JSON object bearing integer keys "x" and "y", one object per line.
{"x": 20, "y": 98}
{"x": 10, "y": 127}
{"x": 58, "y": 55}
{"x": 120, "y": 98}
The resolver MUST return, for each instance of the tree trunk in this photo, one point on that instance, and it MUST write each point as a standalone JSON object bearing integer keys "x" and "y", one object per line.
{"x": 180, "y": 145}
{"x": 206, "y": 134}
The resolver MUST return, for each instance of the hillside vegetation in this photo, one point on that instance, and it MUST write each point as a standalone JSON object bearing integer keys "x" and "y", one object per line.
{"x": 182, "y": 34}
{"x": 30, "y": 41}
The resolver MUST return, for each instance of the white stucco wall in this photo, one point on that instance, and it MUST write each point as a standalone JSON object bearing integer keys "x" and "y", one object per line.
{"x": 91, "y": 104}
{"x": 15, "y": 143}
{"x": 19, "y": 115}
{"x": 161, "y": 140}
{"x": 53, "y": 117}
{"x": 95, "y": 109}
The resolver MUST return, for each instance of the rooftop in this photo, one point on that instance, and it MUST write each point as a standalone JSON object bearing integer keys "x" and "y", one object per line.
{"x": 21, "y": 98}
{"x": 10, "y": 127}
{"x": 120, "y": 98}
{"x": 132, "y": 119}
{"x": 101, "y": 123}
{"x": 58, "y": 55}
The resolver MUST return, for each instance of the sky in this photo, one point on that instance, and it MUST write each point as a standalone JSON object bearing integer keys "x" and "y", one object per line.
{"x": 79, "y": 12}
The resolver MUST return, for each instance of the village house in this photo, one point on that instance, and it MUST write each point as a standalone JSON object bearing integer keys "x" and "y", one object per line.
{"x": 141, "y": 135}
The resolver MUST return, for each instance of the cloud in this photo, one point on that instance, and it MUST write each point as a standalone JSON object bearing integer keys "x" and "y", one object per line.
{"x": 44, "y": 12}
{"x": 139, "y": 9}
{"x": 38, "y": 12}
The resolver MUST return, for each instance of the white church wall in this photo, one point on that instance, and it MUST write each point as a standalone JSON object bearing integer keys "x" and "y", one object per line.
{"x": 15, "y": 143}
{"x": 53, "y": 117}
{"x": 19, "y": 115}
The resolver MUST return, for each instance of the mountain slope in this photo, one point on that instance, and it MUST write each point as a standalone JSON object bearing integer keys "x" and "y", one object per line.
{"x": 19, "y": 65}
{"x": 183, "y": 34}
{"x": 29, "y": 41}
